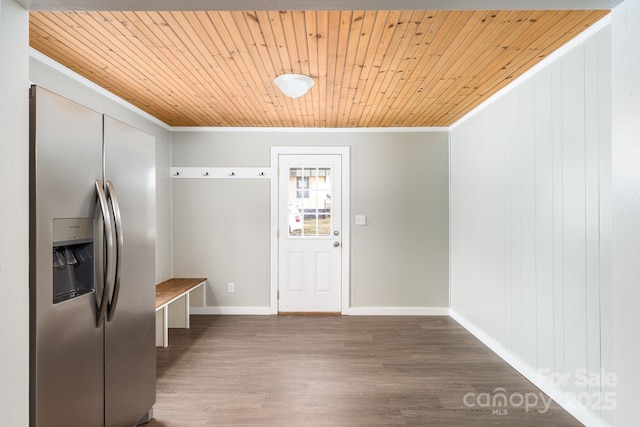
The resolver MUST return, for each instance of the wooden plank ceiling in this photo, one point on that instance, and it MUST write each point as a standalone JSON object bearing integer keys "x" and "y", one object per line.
{"x": 371, "y": 68}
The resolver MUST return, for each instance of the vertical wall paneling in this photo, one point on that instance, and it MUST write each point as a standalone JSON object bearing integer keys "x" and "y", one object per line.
{"x": 500, "y": 231}
{"x": 574, "y": 225}
{"x": 558, "y": 215}
{"x": 547, "y": 140}
{"x": 515, "y": 196}
{"x": 605, "y": 203}
{"x": 493, "y": 235}
{"x": 482, "y": 236}
{"x": 526, "y": 110}
{"x": 592, "y": 220}
{"x": 625, "y": 197}
{"x": 504, "y": 109}
{"x": 543, "y": 115}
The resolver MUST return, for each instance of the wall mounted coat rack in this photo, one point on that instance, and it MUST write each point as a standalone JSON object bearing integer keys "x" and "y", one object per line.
{"x": 230, "y": 173}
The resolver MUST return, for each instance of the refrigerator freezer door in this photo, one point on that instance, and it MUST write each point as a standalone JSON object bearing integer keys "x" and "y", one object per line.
{"x": 66, "y": 354}
{"x": 130, "y": 338}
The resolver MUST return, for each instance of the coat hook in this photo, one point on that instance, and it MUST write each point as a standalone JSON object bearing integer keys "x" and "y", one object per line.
{"x": 260, "y": 173}
{"x": 232, "y": 174}
{"x": 176, "y": 174}
{"x": 205, "y": 174}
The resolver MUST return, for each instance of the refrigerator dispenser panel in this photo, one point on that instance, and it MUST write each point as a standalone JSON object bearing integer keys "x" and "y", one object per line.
{"x": 73, "y": 266}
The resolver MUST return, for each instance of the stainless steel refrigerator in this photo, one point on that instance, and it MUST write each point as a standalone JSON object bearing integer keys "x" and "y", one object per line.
{"x": 92, "y": 267}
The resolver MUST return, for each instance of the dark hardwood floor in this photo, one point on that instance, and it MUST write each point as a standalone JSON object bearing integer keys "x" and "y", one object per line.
{"x": 340, "y": 371}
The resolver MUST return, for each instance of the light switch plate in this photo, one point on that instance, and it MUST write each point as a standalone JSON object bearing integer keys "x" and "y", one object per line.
{"x": 361, "y": 220}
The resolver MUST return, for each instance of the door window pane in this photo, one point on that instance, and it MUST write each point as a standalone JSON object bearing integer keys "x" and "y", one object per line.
{"x": 310, "y": 225}
{"x": 302, "y": 183}
{"x": 309, "y": 204}
{"x": 324, "y": 225}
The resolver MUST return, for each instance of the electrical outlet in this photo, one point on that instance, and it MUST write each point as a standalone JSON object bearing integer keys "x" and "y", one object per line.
{"x": 231, "y": 287}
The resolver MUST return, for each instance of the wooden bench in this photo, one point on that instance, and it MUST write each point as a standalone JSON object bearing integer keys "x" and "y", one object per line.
{"x": 172, "y": 305}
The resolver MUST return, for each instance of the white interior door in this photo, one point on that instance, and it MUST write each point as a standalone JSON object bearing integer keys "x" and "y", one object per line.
{"x": 310, "y": 233}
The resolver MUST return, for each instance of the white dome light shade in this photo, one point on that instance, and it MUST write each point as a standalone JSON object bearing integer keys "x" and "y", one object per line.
{"x": 294, "y": 85}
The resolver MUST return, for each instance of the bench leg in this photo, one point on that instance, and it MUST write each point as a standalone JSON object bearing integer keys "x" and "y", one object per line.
{"x": 162, "y": 327}
{"x": 179, "y": 313}
{"x": 198, "y": 296}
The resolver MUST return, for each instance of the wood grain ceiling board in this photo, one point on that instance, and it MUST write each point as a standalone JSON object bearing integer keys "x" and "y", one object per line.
{"x": 384, "y": 68}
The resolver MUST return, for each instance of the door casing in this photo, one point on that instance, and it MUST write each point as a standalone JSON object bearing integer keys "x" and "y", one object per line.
{"x": 344, "y": 153}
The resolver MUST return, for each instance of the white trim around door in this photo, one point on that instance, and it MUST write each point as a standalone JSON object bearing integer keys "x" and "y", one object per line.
{"x": 344, "y": 152}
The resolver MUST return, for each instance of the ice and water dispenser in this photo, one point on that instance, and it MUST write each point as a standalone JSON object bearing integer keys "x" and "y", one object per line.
{"x": 73, "y": 264}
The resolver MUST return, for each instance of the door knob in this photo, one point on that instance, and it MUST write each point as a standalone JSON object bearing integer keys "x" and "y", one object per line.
{"x": 336, "y": 244}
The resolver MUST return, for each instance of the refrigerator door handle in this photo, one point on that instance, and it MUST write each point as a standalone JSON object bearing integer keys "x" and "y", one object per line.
{"x": 111, "y": 194}
{"x": 107, "y": 231}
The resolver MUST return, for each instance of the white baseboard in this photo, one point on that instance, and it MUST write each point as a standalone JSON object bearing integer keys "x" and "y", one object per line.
{"x": 240, "y": 310}
{"x": 398, "y": 311}
{"x": 560, "y": 397}
{"x": 353, "y": 311}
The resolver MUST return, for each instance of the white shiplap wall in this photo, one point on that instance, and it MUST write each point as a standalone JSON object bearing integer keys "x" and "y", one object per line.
{"x": 531, "y": 225}
{"x": 625, "y": 34}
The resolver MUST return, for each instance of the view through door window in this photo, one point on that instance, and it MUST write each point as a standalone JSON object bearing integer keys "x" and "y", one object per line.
{"x": 310, "y": 192}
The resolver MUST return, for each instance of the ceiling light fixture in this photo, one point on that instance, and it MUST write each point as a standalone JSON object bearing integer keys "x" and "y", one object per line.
{"x": 294, "y": 85}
